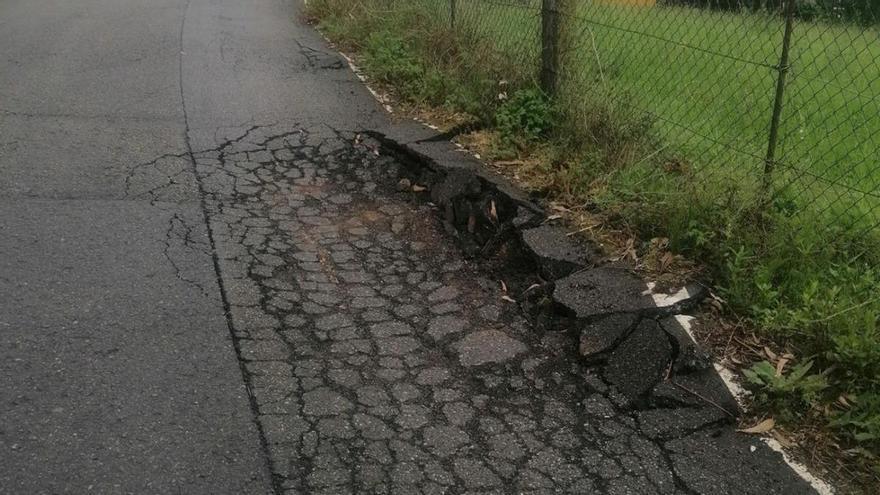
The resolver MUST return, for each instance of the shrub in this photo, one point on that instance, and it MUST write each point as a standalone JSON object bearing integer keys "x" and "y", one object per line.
{"x": 526, "y": 116}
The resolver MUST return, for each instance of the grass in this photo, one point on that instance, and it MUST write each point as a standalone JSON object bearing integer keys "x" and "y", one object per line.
{"x": 661, "y": 121}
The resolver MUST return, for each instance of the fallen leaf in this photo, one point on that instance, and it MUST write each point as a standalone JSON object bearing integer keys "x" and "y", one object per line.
{"x": 493, "y": 213}
{"x": 770, "y": 354}
{"x": 418, "y": 188}
{"x": 503, "y": 286}
{"x": 762, "y": 427}
{"x": 783, "y": 440}
{"x": 780, "y": 366}
{"x": 665, "y": 261}
{"x": 508, "y": 299}
{"x": 553, "y": 217}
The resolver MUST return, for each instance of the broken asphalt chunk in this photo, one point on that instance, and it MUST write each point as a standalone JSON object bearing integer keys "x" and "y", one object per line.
{"x": 693, "y": 390}
{"x": 730, "y": 464}
{"x": 689, "y": 356}
{"x": 602, "y": 291}
{"x": 675, "y": 422}
{"x": 557, "y": 253}
{"x": 602, "y": 335}
{"x": 640, "y": 361}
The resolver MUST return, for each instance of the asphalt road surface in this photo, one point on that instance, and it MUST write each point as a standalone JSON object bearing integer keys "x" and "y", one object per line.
{"x": 208, "y": 286}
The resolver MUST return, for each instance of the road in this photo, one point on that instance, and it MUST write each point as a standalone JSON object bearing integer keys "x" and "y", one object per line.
{"x": 207, "y": 286}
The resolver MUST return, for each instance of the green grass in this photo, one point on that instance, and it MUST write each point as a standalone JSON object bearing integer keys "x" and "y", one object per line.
{"x": 707, "y": 79}
{"x": 662, "y": 119}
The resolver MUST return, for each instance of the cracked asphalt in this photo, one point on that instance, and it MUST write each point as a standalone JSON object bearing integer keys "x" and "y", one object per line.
{"x": 209, "y": 283}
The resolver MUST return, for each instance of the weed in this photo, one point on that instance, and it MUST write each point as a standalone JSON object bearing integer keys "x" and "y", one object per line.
{"x": 526, "y": 117}
{"x": 786, "y": 393}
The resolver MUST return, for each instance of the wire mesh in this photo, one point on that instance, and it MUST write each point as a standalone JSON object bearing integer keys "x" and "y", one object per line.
{"x": 705, "y": 77}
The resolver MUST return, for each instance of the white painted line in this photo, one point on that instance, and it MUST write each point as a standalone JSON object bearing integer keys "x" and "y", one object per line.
{"x": 738, "y": 392}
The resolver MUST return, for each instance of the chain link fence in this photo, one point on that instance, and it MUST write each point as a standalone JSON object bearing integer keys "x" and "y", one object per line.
{"x": 766, "y": 102}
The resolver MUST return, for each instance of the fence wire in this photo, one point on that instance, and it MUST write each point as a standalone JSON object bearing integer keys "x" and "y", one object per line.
{"x": 706, "y": 76}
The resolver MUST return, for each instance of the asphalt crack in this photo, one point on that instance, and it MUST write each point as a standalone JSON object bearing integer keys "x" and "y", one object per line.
{"x": 379, "y": 357}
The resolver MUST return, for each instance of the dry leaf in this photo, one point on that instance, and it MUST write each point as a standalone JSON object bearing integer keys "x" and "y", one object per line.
{"x": 553, "y": 217}
{"x": 503, "y": 286}
{"x": 783, "y": 440}
{"x": 508, "y": 298}
{"x": 770, "y": 354}
{"x": 631, "y": 250}
{"x": 762, "y": 427}
{"x": 665, "y": 261}
{"x": 493, "y": 213}
{"x": 780, "y": 366}
{"x": 418, "y": 188}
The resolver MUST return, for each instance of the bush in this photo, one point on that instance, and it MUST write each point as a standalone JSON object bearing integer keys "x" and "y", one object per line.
{"x": 526, "y": 116}
{"x": 389, "y": 59}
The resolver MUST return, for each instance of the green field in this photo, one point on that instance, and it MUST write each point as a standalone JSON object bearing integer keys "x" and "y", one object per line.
{"x": 707, "y": 80}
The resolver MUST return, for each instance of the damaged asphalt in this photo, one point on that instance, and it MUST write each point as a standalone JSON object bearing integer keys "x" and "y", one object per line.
{"x": 211, "y": 281}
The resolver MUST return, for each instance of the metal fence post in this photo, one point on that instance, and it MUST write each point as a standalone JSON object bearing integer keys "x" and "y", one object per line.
{"x": 452, "y": 14}
{"x": 549, "y": 46}
{"x": 782, "y": 69}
